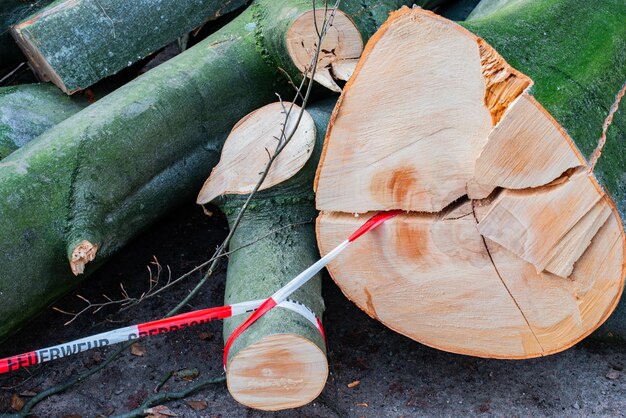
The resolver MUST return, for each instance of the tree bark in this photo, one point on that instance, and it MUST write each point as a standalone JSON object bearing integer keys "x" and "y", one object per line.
{"x": 27, "y": 110}
{"x": 74, "y": 44}
{"x": 510, "y": 249}
{"x": 95, "y": 180}
{"x": 280, "y": 362}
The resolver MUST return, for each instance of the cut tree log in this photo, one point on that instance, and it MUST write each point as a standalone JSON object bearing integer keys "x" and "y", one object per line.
{"x": 510, "y": 247}
{"x": 27, "y": 110}
{"x": 75, "y": 43}
{"x": 95, "y": 180}
{"x": 280, "y": 362}
{"x": 11, "y": 12}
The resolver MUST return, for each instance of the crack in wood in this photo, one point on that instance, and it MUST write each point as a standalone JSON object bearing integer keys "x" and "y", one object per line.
{"x": 505, "y": 286}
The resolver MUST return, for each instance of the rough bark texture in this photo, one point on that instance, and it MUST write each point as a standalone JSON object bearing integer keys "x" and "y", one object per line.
{"x": 257, "y": 271}
{"x": 11, "y": 12}
{"x": 27, "y": 110}
{"x": 112, "y": 169}
{"x": 576, "y": 55}
{"x": 76, "y": 43}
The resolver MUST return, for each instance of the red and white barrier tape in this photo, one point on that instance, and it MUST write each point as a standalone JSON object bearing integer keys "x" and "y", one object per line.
{"x": 258, "y": 307}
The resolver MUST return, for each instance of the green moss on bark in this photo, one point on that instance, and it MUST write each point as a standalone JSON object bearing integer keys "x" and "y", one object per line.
{"x": 84, "y": 41}
{"x": 27, "y": 110}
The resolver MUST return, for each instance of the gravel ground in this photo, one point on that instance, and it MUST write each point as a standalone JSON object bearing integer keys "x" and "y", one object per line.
{"x": 398, "y": 377}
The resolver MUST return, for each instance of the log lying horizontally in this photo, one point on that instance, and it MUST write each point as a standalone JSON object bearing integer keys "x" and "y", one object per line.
{"x": 27, "y": 110}
{"x": 75, "y": 43}
{"x": 511, "y": 248}
{"x": 92, "y": 182}
{"x": 280, "y": 362}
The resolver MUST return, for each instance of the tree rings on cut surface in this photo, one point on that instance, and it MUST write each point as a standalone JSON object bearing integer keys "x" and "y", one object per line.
{"x": 341, "y": 47}
{"x": 281, "y": 371}
{"x": 247, "y": 150}
{"x": 509, "y": 248}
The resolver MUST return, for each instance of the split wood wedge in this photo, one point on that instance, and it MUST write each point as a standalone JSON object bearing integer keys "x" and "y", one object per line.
{"x": 510, "y": 247}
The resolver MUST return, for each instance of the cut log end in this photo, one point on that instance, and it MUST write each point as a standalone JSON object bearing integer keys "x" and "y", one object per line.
{"x": 341, "y": 47}
{"x": 528, "y": 271}
{"x": 281, "y": 371}
{"x": 247, "y": 150}
{"x": 40, "y": 66}
{"x": 84, "y": 253}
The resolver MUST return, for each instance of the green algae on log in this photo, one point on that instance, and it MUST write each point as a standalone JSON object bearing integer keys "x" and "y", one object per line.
{"x": 27, "y": 110}
{"x": 282, "y": 346}
{"x": 107, "y": 172}
{"x": 75, "y": 43}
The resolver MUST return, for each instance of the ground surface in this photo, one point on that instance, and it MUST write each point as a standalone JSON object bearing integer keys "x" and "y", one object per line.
{"x": 398, "y": 377}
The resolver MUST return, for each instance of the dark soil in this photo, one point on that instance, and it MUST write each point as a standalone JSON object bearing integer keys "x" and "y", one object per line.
{"x": 398, "y": 377}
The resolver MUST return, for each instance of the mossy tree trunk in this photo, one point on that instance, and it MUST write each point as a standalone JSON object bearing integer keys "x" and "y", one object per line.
{"x": 77, "y": 43}
{"x": 27, "y": 110}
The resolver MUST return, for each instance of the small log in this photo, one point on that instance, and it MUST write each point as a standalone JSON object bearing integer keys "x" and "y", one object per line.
{"x": 94, "y": 181}
{"x": 280, "y": 362}
{"x": 27, "y": 110}
{"x": 510, "y": 247}
{"x": 75, "y": 43}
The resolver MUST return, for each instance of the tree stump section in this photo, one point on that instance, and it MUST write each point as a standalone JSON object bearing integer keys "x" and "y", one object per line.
{"x": 510, "y": 248}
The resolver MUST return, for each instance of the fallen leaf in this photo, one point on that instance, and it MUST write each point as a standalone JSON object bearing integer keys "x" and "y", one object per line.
{"x": 187, "y": 374}
{"x": 28, "y": 393}
{"x": 197, "y": 405}
{"x": 362, "y": 404}
{"x": 137, "y": 350}
{"x": 354, "y": 384}
{"x": 72, "y": 416}
{"x": 205, "y": 336}
{"x": 613, "y": 374}
{"x": 160, "y": 411}
{"x": 17, "y": 403}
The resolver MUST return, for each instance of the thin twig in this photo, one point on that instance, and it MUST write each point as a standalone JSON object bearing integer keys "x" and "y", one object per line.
{"x": 153, "y": 289}
{"x": 280, "y": 146}
{"x": 169, "y": 396}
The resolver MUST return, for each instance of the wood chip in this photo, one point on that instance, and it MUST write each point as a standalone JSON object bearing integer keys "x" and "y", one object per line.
{"x": 17, "y": 403}
{"x": 137, "y": 350}
{"x": 364, "y": 405}
{"x": 354, "y": 384}
{"x": 198, "y": 405}
{"x": 159, "y": 411}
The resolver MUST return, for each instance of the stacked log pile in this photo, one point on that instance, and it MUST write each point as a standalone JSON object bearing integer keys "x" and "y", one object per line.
{"x": 510, "y": 243}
